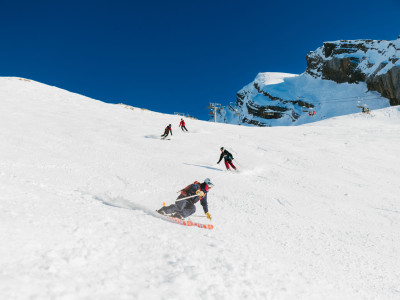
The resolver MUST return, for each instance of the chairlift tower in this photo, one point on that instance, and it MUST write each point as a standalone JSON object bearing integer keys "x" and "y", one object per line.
{"x": 214, "y": 107}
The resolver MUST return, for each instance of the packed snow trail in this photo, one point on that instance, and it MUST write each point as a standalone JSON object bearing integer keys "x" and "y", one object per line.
{"x": 312, "y": 214}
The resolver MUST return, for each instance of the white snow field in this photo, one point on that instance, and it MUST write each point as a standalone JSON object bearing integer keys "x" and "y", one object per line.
{"x": 314, "y": 212}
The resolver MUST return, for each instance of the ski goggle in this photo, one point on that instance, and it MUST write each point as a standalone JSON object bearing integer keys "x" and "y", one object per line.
{"x": 209, "y": 186}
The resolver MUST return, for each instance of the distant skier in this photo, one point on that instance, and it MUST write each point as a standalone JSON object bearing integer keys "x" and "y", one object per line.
{"x": 227, "y": 156}
{"x": 182, "y": 125}
{"x": 184, "y": 208}
{"x": 167, "y": 130}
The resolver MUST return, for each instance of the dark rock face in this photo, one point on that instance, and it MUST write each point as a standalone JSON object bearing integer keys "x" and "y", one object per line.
{"x": 342, "y": 70}
{"x": 373, "y": 62}
{"x": 387, "y": 84}
{"x": 283, "y": 107}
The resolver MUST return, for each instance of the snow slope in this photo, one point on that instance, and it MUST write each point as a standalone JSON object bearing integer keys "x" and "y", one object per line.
{"x": 313, "y": 214}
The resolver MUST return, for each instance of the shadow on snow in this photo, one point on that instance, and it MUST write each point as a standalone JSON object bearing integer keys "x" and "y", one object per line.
{"x": 126, "y": 204}
{"x": 207, "y": 167}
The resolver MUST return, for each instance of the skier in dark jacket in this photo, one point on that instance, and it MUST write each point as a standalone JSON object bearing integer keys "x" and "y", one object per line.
{"x": 182, "y": 125}
{"x": 184, "y": 208}
{"x": 227, "y": 156}
{"x": 167, "y": 130}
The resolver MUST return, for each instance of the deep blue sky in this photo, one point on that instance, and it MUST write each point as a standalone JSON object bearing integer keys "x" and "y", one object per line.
{"x": 173, "y": 55}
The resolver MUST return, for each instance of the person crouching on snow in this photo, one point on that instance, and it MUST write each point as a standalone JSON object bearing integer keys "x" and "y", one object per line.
{"x": 167, "y": 130}
{"x": 193, "y": 193}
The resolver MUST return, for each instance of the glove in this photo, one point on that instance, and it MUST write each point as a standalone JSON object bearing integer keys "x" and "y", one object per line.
{"x": 208, "y": 215}
{"x": 200, "y": 193}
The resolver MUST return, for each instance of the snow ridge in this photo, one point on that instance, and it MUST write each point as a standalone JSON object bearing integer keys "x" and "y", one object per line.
{"x": 291, "y": 98}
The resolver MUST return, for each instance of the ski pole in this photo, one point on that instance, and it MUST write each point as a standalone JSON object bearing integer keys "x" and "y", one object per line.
{"x": 230, "y": 148}
{"x": 237, "y": 162}
{"x": 186, "y": 198}
{"x": 177, "y": 200}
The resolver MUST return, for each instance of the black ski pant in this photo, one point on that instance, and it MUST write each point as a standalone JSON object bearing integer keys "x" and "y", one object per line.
{"x": 166, "y": 132}
{"x": 184, "y": 128}
{"x": 184, "y": 207}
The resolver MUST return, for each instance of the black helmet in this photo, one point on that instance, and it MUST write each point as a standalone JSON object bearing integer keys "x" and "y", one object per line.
{"x": 222, "y": 148}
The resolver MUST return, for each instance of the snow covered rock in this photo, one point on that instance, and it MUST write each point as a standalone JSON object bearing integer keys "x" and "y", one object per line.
{"x": 375, "y": 62}
{"x": 341, "y": 78}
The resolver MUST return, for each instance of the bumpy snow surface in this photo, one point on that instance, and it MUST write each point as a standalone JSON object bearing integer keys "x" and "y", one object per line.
{"x": 314, "y": 212}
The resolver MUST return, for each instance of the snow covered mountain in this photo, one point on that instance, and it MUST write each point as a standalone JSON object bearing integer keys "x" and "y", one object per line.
{"x": 312, "y": 214}
{"x": 341, "y": 78}
{"x": 376, "y": 63}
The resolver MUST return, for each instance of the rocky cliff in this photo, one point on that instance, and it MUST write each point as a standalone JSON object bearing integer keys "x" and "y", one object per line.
{"x": 341, "y": 78}
{"x": 377, "y": 63}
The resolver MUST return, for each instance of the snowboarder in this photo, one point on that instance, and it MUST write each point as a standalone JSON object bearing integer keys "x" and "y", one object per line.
{"x": 182, "y": 125}
{"x": 168, "y": 129}
{"x": 228, "y": 157}
{"x": 184, "y": 208}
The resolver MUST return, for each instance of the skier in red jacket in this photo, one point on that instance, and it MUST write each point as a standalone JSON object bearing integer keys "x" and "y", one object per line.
{"x": 182, "y": 125}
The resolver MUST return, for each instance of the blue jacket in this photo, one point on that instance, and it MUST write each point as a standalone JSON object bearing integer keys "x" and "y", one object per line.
{"x": 192, "y": 189}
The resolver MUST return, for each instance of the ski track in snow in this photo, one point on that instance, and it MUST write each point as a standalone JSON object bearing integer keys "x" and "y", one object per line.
{"x": 313, "y": 212}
